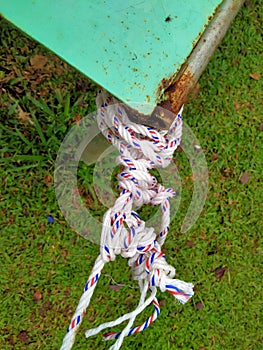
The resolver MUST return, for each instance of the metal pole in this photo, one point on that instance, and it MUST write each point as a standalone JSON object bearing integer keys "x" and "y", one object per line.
{"x": 176, "y": 95}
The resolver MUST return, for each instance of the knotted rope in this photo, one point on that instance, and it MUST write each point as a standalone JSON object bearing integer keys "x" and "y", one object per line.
{"x": 123, "y": 232}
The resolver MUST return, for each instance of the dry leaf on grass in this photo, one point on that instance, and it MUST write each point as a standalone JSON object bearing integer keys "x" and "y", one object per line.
{"x": 38, "y": 61}
{"x": 255, "y": 76}
{"x": 190, "y": 244}
{"x": 199, "y": 306}
{"x": 24, "y": 117}
{"x": 244, "y": 178}
{"x": 162, "y": 302}
{"x": 115, "y": 286}
{"x": 214, "y": 157}
{"x": 23, "y": 336}
{"x": 48, "y": 180}
{"x": 219, "y": 272}
{"x": 37, "y": 296}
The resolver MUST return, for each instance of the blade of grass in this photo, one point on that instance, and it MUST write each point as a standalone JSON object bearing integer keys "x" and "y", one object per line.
{"x": 67, "y": 106}
{"x": 40, "y": 104}
{"x": 38, "y": 127}
{"x": 22, "y": 158}
{"x": 19, "y": 169}
{"x": 94, "y": 197}
{"x": 23, "y": 138}
{"x": 13, "y": 108}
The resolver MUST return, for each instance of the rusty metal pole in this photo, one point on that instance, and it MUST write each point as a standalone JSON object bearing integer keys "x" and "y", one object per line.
{"x": 176, "y": 94}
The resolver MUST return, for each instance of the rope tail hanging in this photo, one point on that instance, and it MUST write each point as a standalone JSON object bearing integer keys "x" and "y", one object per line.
{"x": 123, "y": 232}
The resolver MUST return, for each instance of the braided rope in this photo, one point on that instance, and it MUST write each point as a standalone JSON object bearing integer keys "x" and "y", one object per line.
{"x": 123, "y": 232}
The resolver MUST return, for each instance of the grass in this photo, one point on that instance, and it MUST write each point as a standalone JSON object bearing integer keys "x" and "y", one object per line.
{"x": 45, "y": 265}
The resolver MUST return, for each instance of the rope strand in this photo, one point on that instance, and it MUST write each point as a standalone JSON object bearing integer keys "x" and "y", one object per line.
{"x": 123, "y": 232}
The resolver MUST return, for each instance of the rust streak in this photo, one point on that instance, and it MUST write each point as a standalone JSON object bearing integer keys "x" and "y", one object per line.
{"x": 176, "y": 94}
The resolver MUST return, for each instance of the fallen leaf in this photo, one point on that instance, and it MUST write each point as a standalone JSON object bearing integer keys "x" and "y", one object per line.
{"x": 77, "y": 119}
{"x": 244, "y": 178}
{"x": 214, "y": 157}
{"x": 255, "y": 76}
{"x": 261, "y": 127}
{"x": 38, "y": 61}
{"x": 23, "y": 336}
{"x": 37, "y": 296}
{"x": 199, "y": 306}
{"x": 220, "y": 271}
{"x": 24, "y": 117}
{"x": 190, "y": 244}
{"x": 162, "y": 302}
{"x": 243, "y": 52}
{"x": 115, "y": 286}
{"x": 48, "y": 180}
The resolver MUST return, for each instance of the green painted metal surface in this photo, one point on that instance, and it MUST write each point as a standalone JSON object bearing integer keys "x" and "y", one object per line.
{"x": 127, "y": 46}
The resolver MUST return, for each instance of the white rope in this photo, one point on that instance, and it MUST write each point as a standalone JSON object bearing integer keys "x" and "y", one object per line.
{"x": 123, "y": 232}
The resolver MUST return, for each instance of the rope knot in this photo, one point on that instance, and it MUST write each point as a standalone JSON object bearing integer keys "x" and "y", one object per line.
{"x": 123, "y": 231}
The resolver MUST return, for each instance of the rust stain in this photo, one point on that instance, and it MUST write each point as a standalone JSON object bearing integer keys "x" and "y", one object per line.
{"x": 176, "y": 94}
{"x": 165, "y": 83}
{"x": 176, "y": 89}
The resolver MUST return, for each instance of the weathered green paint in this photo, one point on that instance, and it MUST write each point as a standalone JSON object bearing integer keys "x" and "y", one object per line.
{"x": 128, "y": 47}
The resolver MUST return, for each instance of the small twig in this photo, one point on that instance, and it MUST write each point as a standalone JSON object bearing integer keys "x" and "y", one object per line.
{"x": 120, "y": 284}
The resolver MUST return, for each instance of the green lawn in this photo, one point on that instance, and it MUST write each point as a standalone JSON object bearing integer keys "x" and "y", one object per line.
{"x": 44, "y": 265}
